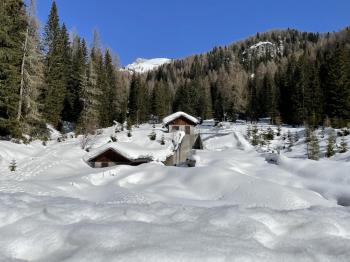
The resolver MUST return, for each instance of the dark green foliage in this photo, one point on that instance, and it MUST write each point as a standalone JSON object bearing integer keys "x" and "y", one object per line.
{"x": 160, "y": 100}
{"x": 13, "y": 165}
{"x": 57, "y": 66}
{"x": 331, "y": 144}
{"x": 269, "y": 135}
{"x": 152, "y": 136}
{"x": 108, "y": 105}
{"x": 162, "y": 140}
{"x": 13, "y": 25}
{"x": 73, "y": 104}
{"x": 138, "y": 100}
{"x": 343, "y": 145}
{"x": 313, "y": 147}
{"x": 255, "y": 136}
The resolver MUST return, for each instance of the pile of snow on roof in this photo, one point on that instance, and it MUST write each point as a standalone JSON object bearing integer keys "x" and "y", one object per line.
{"x": 176, "y": 115}
{"x": 132, "y": 151}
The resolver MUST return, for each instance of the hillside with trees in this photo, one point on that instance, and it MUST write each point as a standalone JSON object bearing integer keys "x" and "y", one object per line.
{"x": 58, "y": 78}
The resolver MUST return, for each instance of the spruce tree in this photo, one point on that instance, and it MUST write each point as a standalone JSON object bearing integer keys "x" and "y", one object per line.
{"x": 331, "y": 143}
{"x": 110, "y": 91}
{"x": 13, "y": 25}
{"x": 73, "y": 105}
{"x": 57, "y": 59}
{"x": 158, "y": 101}
{"x": 343, "y": 145}
{"x": 313, "y": 147}
{"x": 89, "y": 119}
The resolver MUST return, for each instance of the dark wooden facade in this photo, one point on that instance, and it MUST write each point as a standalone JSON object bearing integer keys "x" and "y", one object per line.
{"x": 111, "y": 157}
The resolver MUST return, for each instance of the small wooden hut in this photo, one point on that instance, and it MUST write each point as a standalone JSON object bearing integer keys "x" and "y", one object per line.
{"x": 180, "y": 121}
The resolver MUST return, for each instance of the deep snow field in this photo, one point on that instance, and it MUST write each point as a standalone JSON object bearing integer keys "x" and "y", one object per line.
{"x": 233, "y": 206}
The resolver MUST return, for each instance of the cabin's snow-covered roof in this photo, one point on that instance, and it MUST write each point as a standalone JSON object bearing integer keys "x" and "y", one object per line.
{"x": 176, "y": 115}
{"x": 132, "y": 151}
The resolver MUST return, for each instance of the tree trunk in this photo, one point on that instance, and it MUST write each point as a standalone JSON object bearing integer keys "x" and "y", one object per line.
{"x": 19, "y": 113}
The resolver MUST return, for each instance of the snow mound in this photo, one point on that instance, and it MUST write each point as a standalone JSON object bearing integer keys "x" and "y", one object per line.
{"x": 232, "y": 206}
{"x": 142, "y": 65}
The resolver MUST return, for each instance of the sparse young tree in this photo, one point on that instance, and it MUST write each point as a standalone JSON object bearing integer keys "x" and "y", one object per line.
{"x": 343, "y": 145}
{"x": 13, "y": 165}
{"x": 162, "y": 140}
{"x": 255, "y": 136}
{"x": 331, "y": 143}
{"x": 313, "y": 147}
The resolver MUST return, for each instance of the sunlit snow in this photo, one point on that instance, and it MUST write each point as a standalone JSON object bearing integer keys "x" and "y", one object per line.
{"x": 233, "y": 206}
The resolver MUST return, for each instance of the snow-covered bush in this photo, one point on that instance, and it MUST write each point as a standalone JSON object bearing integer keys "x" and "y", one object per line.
{"x": 162, "y": 140}
{"x": 152, "y": 136}
{"x": 269, "y": 135}
{"x": 86, "y": 141}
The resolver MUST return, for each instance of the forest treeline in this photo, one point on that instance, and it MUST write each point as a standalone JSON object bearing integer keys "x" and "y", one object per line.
{"x": 53, "y": 76}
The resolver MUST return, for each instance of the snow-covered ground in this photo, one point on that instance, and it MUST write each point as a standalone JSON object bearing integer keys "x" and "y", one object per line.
{"x": 142, "y": 65}
{"x": 233, "y": 206}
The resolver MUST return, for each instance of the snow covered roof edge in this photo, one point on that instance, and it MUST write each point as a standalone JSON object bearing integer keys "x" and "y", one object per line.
{"x": 173, "y": 116}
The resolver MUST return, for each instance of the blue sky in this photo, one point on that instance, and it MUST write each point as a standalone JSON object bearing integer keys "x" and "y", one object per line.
{"x": 178, "y": 28}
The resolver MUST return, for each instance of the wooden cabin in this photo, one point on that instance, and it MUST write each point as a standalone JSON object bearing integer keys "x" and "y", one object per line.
{"x": 180, "y": 121}
{"x": 109, "y": 156}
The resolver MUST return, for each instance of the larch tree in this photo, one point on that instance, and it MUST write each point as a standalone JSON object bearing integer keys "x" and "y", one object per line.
{"x": 31, "y": 78}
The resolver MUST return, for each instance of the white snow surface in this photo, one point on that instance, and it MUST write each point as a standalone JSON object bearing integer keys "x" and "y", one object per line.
{"x": 233, "y": 206}
{"x": 168, "y": 119}
{"x": 142, "y": 65}
{"x": 260, "y": 44}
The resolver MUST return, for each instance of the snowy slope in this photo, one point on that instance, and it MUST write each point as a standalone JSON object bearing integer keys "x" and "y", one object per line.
{"x": 233, "y": 206}
{"x": 142, "y": 65}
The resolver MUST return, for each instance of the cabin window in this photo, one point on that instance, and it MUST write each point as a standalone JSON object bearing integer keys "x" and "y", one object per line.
{"x": 187, "y": 130}
{"x": 104, "y": 164}
{"x": 175, "y": 128}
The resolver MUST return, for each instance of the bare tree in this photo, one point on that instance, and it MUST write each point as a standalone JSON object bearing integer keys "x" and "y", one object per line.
{"x": 31, "y": 73}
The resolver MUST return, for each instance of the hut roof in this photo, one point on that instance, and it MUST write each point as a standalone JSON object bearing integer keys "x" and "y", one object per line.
{"x": 131, "y": 151}
{"x": 176, "y": 115}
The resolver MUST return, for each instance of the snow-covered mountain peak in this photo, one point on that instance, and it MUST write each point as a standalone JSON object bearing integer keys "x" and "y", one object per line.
{"x": 142, "y": 65}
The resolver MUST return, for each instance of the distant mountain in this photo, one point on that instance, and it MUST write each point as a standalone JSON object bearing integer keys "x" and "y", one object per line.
{"x": 142, "y": 65}
{"x": 286, "y": 75}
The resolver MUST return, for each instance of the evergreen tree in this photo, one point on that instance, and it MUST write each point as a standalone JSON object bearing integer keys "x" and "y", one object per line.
{"x": 89, "y": 119}
{"x": 109, "y": 99}
{"x": 331, "y": 144}
{"x": 13, "y": 165}
{"x": 13, "y": 25}
{"x": 336, "y": 85}
{"x": 343, "y": 145}
{"x": 57, "y": 60}
{"x": 313, "y": 147}
{"x": 73, "y": 105}
{"x": 134, "y": 98}
{"x": 159, "y": 100}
